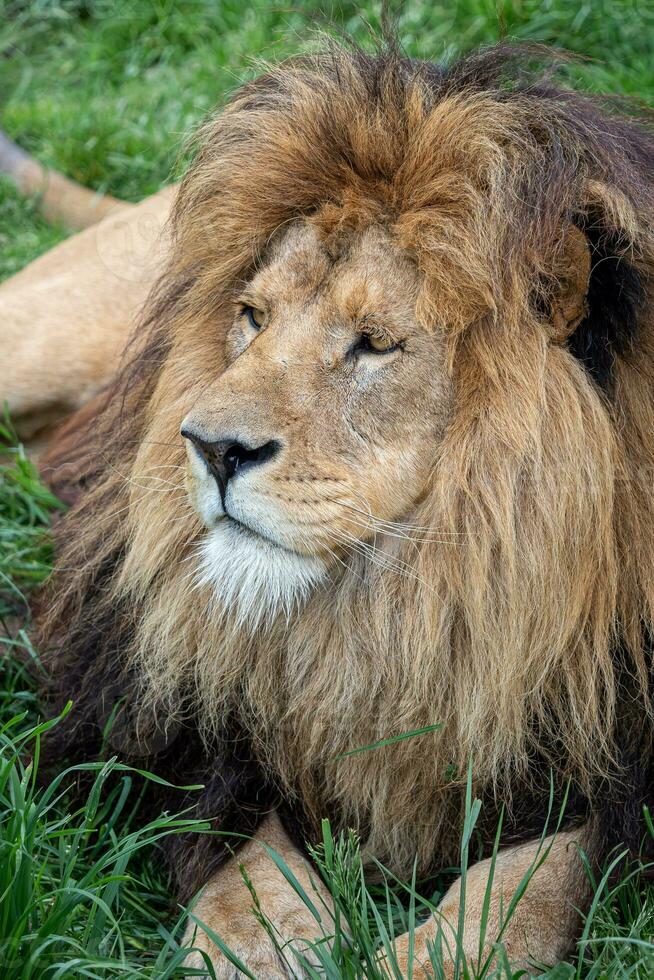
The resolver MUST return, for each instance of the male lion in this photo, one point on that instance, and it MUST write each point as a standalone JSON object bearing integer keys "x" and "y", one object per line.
{"x": 378, "y": 458}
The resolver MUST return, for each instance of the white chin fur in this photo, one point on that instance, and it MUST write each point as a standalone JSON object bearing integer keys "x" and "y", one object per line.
{"x": 253, "y": 579}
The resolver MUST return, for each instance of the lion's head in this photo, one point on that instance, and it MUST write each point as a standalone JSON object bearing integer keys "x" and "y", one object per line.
{"x": 320, "y": 435}
{"x": 406, "y": 336}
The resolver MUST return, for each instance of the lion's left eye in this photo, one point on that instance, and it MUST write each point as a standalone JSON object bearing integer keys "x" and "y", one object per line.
{"x": 370, "y": 343}
{"x": 255, "y": 317}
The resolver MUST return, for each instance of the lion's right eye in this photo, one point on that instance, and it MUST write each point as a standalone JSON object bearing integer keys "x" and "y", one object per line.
{"x": 255, "y": 317}
{"x": 371, "y": 343}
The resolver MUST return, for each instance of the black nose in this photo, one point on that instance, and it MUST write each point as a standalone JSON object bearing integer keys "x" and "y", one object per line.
{"x": 226, "y": 457}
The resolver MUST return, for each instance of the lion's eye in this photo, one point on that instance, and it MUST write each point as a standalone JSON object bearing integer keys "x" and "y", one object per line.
{"x": 370, "y": 343}
{"x": 255, "y": 317}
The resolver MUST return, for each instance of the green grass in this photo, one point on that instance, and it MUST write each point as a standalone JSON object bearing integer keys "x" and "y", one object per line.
{"x": 106, "y": 90}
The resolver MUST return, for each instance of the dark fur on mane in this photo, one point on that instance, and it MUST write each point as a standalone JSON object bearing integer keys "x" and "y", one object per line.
{"x": 615, "y": 297}
{"x": 84, "y": 635}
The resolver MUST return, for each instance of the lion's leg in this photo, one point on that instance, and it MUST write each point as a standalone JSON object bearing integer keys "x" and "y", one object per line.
{"x": 543, "y": 926}
{"x": 65, "y": 319}
{"x": 226, "y": 907}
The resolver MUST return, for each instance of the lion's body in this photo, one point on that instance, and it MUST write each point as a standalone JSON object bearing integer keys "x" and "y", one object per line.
{"x": 499, "y": 580}
{"x": 66, "y": 318}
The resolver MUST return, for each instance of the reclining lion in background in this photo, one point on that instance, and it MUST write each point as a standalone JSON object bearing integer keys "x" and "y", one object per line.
{"x": 379, "y": 457}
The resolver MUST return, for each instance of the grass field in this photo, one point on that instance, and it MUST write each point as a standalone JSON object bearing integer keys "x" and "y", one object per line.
{"x": 105, "y": 90}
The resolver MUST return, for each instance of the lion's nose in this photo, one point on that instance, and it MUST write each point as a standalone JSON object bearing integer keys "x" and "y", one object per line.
{"x": 226, "y": 457}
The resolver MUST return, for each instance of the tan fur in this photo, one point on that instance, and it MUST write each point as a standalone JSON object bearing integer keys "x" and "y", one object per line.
{"x": 67, "y": 317}
{"x": 226, "y": 906}
{"x": 538, "y": 930}
{"x": 541, "y": 928}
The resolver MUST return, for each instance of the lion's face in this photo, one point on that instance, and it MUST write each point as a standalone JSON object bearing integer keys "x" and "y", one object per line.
{"x": 322, "y": 431}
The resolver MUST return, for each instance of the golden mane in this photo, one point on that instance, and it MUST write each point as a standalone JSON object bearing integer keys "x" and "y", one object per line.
{"x": 520, "y": 629}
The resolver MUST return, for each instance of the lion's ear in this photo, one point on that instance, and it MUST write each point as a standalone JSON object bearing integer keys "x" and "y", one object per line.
{"x": 598, "y": 306}
{"x": 572, "y": 276}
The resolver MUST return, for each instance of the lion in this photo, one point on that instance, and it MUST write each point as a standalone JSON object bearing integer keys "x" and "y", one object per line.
{"x": 377, "y": 460}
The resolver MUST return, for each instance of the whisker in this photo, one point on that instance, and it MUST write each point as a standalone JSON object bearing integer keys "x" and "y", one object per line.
{"x": 166, "y": 466}
{"x": 384, "y": 529}
{"x": 139, "y": 486}
{"x": 395, "y": 525}
{"x": 161, "y": 479}
{"x": 385, "y": 561}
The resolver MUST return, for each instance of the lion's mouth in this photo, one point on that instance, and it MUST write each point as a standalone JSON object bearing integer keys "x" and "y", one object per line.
{"x": 254, "y": 535}
{"x": 245, "y": 528}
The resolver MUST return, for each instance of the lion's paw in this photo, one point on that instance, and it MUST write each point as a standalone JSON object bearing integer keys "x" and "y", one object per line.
{"x": 252, "y": 945}
{"x": 225, "y": 909}
{"x": 261, "y": 959}
{"x": 417, "y": 965}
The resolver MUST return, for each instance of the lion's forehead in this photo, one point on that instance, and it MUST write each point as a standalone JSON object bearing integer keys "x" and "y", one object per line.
{"x": 350, "y": 275}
